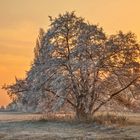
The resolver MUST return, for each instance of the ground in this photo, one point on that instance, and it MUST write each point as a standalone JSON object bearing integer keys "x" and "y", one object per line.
{"x": 19, "y": 126}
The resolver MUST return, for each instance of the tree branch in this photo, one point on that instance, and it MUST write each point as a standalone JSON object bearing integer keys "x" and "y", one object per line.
{"x": 63, "y": 97}
{"x": 114, "y": 94}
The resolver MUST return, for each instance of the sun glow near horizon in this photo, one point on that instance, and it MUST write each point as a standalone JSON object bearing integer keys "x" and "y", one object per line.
{"x": 21, "y": 20}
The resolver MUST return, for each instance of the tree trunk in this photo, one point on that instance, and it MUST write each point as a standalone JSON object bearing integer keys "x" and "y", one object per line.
{"x": 82, "y": 115}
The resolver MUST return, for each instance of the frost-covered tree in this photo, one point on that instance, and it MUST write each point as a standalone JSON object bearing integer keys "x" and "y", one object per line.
{"x": 77, "y": 64}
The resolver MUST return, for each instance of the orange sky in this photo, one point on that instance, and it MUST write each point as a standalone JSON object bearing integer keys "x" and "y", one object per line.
{"x": 20, "y": 21}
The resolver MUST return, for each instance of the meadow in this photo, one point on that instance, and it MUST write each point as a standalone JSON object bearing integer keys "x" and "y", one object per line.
{"x": 24, "y": 126}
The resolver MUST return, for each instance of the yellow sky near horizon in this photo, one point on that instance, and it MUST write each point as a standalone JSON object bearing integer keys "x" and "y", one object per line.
{"x": 20, "y": 21}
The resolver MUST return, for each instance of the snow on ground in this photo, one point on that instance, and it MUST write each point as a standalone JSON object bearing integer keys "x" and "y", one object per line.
{"x": 19, "y": 126}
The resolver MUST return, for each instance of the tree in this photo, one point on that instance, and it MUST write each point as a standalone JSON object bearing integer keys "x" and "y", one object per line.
{"x": 39, "y": 43}
{"x": 2, "y": 108}
{"x": 77, "y": 63}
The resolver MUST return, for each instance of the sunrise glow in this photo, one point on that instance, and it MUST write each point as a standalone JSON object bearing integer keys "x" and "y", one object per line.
{"x": 20, "y": 21}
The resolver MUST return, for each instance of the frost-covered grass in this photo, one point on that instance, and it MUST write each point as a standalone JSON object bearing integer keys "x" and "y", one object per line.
{"x": 111, "y": 119}
{"x": 19, "y": 126}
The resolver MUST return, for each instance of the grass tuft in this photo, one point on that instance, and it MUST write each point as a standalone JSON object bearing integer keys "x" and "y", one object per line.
{"x": 111, "y": 118}
{"x": 55, "y": 118}
{"x": 101, "y": 118}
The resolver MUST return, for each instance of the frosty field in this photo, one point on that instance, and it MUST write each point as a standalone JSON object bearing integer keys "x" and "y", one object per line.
{"x": 19, "y": 126}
